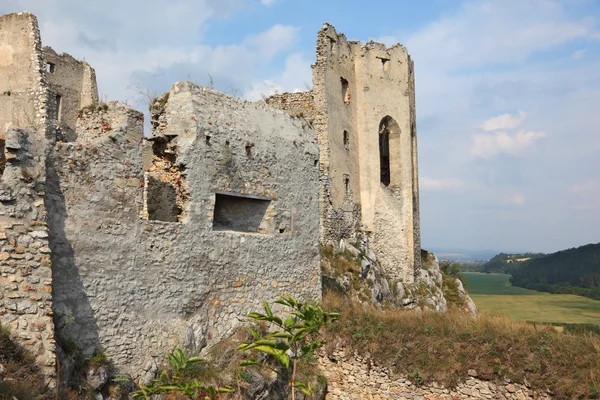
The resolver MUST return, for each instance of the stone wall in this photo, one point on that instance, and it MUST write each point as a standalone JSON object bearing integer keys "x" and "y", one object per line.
{"x": 356, "y": 378}
{"x": 25, "y": 268}
{"x": 136, "y": 287}
{"x": 298, "y": 104}
{"x": 74, "y": 85}
{"x": 26, "y": 133}
{"x": 22, "y": 89}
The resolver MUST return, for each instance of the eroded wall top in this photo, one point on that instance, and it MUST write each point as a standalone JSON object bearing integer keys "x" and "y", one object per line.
{"x": 21, "y": 73}
{"x": 74, "y": 85}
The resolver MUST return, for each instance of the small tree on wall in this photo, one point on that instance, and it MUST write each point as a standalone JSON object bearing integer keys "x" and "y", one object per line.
{"x": 291, "y": 339}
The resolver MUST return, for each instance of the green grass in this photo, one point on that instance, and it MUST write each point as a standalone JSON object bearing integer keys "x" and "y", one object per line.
{"x": 492, "y": 293}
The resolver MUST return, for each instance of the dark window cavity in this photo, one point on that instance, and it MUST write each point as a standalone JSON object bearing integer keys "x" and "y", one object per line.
{"x": 239, "y": 213}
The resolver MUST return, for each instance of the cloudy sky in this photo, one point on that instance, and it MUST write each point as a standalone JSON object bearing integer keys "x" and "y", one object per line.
{"x": 508, "y": 91}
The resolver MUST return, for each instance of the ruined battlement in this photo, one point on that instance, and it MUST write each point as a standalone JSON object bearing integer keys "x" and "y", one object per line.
{"x": 74, "y": 85}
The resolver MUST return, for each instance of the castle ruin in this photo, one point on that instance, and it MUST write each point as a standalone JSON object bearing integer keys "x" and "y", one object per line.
{"x": 135, "y": 245}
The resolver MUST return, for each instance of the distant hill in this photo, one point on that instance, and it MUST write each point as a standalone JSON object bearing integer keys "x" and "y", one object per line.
{"x": 572, "y": 271}
{"x": 507, "y": 263}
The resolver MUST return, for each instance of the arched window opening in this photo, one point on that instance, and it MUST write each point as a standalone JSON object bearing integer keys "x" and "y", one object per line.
{"x": 345, "y": 91}
{"x": 384, "y": 152}
{"x": 390, "y": 165}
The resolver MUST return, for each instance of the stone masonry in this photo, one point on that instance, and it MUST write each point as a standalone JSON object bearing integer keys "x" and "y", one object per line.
{"x": 351, "y": 377}
{"x": 245, "y": 231}
{"x": 362, "y": 106}
{"x": 27, "y": 131}
{"x": 74, "y": 85}
{"x": 136, "y": 245}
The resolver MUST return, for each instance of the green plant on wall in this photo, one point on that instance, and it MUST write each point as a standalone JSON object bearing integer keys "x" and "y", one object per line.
{"x": 291, "y": 339}
{"x": 179, "y": 381}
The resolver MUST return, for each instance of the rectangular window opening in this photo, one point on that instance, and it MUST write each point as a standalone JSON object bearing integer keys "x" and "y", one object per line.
{"x": 50, "y": 67}
{"x": 240, "y": 213}
{"x": 347, "y": 184}
{"x": 346, "y": 140}
{"x": 345, "y": 91}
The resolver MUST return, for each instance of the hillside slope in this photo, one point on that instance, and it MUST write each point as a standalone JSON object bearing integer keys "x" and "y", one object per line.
{"x": 572, "y": 271}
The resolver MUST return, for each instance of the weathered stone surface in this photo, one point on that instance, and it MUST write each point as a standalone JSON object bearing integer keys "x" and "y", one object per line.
{"x": 357, "y": 90}
{"x": 355, "y": 377}
{"x": 137, "y": 287}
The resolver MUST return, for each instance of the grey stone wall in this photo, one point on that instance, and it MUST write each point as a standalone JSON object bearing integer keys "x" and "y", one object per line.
{"x": 137, "y": 288}
{"x": 74, "y": 83}
{"x": 26, "y": 133}
{"x": 25, "y": 268}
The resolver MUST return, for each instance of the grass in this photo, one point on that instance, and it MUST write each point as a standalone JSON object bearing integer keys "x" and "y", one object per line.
{"x": 21, "y": 378}
{"x": 492, "y": 293}
{"x": 443, "y": 347}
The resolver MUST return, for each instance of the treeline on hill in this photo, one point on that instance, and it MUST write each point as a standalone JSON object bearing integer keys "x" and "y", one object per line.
{"x": 572, "y": 271}
{"x": 504, "y": 263}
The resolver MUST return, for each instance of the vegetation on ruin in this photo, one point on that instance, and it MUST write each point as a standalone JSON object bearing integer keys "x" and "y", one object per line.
{"x": 291, "y": 339}
{"x": 443, "y": 347}
{"x": 179, "y": 379}
{"x": 20, "y": 377}
{"x": 92, "y": 108}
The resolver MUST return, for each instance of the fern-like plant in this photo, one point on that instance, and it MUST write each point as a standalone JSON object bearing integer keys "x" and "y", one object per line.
{"x": 291, "y": 339}
{"x": 178, "y": 381}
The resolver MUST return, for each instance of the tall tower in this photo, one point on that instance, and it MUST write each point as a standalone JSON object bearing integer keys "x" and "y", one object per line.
{"x": 364, "y": 114}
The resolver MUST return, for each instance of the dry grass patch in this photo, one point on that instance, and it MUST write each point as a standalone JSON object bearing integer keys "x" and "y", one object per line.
{"x": 444, "y": 347}
{"x": 20, "y": 378}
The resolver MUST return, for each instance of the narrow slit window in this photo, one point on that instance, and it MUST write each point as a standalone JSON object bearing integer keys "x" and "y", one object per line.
{"x": 58, "y": 107}
{"x": 240, "y": 213}
{"x": 346, "y": 184}
{"x": 345, "y": 91}
{"x": 384, "y": 152}
{"x": 346, "y": 140}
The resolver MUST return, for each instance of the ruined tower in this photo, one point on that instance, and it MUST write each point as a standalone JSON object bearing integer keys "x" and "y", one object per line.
{"x": 362, "y": 106}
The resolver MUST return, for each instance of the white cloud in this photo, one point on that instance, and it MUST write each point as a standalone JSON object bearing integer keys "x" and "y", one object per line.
{"x": 503, "y": 121}
{"x": 506, "y": 31}
{"x": 426, "y": 183}
{"x": 489, "y": 145}
{"x": 162, "y": 46}
{"x": 296, "y": 76}
{"x": 518, "y": 199}
{"x": 590, "y": 187}
{"x": 578, "y": 55}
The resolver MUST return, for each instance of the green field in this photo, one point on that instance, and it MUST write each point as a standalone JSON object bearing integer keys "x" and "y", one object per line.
{"x": 492, "y": 293}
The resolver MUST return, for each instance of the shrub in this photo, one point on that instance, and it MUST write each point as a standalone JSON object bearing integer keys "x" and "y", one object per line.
{"x": 292, "y": 339}
{"x": 179, "y": 381}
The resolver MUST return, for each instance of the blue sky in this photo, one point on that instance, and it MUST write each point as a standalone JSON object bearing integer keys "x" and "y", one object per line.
{"x": 508, "y": 91}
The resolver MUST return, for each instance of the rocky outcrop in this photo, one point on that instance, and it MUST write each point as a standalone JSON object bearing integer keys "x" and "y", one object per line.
{"x": 353, "y": 270}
